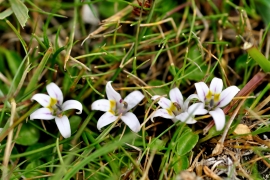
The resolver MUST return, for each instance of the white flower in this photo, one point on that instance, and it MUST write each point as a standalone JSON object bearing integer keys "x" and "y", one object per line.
{"x": 53, "y": 108}
{"x": 115, "y": 106}
{"x": 89, "y": 15}
{"x": 177, "y": 109}
{"x": 214, "y": 98}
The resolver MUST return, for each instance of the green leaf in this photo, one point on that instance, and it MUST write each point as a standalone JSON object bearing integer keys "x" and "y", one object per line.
{"x": 32, "y": 169}
{"x": 2, "y": 150}
{"x": 75, "y": 121}
{"x": 197, "y": 75}
{"x": 195, "y": 60}
{"x": 28, "y": 135}
{"x": 241, "y": 63}
{"x": 180, "y": 163}
{"x": 5, "y": 13}
{"x": 20, "y": 11}
{"x": 159, "y": 144}
{"x": 36, "y": 155}
{"x": 194, "y": 54}
{"x": 158, "y": 91}
{"x": 186, "y": 142}
{"x": 263, "y": 8}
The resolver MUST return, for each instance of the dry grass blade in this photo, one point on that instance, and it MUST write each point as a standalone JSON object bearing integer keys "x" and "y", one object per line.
{"x": 8, "y": 149}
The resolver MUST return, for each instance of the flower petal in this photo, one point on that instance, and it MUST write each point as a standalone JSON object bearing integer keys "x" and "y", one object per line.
{"x": 102, "y": 105}
{"x": 72, "y": 104}
{"x": 165, "y": 103}
{"x": 219, "y": 118}
{"x": 186, "y": 118}
{"x": 202, "y": 90}
{"x": 63, "y": 126}
{"x": 197, "y": 109}
{"x": 155, "y": 97}
{"x": 43, "y": 99}
{"x": 89, "y": 16}
{"x": 216, "y": 85}
{"x": 133, "y": 99}
{"x": 42, "y": 113}
{"x": 176, "y": 96}
{"x": 131, "y": 121}
{"x": 227, "y": 95}
{"x": 192, "y": 96}
{"x": 111, "y": 93}
{"x": 162, "y": 113}
{"x": 55, "y": 92}
{"x": 105, "y": 119}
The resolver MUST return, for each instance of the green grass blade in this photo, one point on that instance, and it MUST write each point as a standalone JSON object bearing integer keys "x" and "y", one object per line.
{"x": 20, "y": 11}
{"x": 257, "y": 56}
{"x": 34, "y": 80}
{"x": 102, "y": 151}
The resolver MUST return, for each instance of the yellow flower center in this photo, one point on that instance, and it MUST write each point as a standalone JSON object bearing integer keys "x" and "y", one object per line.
{"x": 174, "y": 109}
{"x": 55, "y": 108}
{"x": 112, "y": 106}
{"x": 216, "y": 97}
{"x": 209, "y": 95}
{"x": 120, "y": 108}
{"x": 52, "y": 103}
{"x": 212, "y": 99}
